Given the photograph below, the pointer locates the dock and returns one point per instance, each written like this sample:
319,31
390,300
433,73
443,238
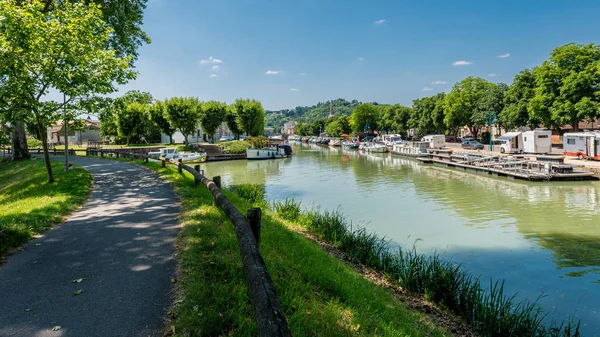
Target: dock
527,167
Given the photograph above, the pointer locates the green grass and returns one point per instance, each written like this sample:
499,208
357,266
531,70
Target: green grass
321,295
234,146
488,310
29,205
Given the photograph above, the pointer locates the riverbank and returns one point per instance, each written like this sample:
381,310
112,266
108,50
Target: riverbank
320,294
29,205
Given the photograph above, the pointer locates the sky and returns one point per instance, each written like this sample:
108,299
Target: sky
296,53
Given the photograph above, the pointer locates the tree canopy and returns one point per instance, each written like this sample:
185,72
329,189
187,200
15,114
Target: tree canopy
183,114
463,104
364,117
62,50
249,116
213,114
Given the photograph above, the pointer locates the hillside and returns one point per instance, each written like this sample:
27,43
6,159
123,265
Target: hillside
309,114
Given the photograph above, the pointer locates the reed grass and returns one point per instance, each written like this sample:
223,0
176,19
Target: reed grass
254,194
489,310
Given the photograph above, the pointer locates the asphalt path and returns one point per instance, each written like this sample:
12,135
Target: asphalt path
107,271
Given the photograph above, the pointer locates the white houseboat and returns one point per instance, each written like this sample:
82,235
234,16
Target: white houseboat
411,149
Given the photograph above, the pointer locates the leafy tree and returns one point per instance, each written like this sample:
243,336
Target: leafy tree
568,86
63,49
463,104
439,113
363,115
232,121
516,101
338,126
183,114
130,120
123,17
423,112
318,126
303,129
157,113
213,114
394,118
250,116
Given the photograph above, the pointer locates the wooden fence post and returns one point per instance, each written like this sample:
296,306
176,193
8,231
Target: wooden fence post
217,181
87,154
196,180
54,150
101,153
117,155
254,217
180,165
163,162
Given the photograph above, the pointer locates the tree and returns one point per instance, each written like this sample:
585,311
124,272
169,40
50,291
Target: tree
422,114
394,118
463,104
130,120
338,126
183,114
156,113
363,116
213,114
125,19
232,121
493,101
250,116
516,101
62,50
568,86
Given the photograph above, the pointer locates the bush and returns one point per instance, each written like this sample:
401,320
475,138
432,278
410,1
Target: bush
234,147
34,143
288,210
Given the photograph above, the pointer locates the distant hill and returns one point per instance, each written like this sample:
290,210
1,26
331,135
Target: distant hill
309,114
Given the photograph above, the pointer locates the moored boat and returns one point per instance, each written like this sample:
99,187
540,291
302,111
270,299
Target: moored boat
411,149
275,152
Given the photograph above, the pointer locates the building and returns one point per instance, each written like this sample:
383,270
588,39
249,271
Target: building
89,131
289,128
198,136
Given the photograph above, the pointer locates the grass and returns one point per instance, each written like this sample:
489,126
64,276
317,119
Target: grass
29,205
234,146
487,309
321,295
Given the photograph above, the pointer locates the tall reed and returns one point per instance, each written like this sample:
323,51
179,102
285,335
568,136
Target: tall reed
489,310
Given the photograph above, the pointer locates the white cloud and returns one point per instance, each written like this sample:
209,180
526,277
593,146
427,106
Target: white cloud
301,74
215,68
294,89
211,60
378,22
361,58
461,63
439,82
213,75
426,89
503,56
272,72
494,75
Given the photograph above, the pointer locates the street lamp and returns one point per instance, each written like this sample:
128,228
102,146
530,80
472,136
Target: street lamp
367,126
490,120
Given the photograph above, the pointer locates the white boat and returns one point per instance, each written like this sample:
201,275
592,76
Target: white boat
265,153
411,149
373,147
390,140
335,142
171,153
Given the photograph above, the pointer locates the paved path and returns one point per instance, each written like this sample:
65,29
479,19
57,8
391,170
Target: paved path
121,243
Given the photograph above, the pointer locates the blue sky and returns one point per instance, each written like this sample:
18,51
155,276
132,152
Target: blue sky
316,50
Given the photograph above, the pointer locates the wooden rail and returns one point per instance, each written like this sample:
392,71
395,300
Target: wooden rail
269,317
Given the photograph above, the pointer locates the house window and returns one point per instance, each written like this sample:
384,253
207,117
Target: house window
571,141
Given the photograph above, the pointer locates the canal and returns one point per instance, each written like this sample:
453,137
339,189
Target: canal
541,237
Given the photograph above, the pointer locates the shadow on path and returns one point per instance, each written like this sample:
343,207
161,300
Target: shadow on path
121,243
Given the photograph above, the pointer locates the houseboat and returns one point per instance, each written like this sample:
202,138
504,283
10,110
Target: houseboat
275,152
172,154
411,149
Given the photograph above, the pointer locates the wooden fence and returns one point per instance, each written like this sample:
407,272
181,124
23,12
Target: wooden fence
269,317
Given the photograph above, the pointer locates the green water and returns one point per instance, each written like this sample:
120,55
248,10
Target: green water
540,237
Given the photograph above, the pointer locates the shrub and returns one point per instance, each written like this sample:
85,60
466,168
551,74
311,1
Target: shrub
234,147
34,143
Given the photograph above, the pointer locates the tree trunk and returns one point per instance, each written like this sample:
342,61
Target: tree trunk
171,139
185,139
46,154
19,142
575,125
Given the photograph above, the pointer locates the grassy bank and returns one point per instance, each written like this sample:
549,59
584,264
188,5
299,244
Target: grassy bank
234,146
321,295
29,205
484,307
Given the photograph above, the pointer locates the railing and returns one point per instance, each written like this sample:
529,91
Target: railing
269,317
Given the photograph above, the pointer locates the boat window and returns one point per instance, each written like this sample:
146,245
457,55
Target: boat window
542,136
258,153
571,141
524,139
